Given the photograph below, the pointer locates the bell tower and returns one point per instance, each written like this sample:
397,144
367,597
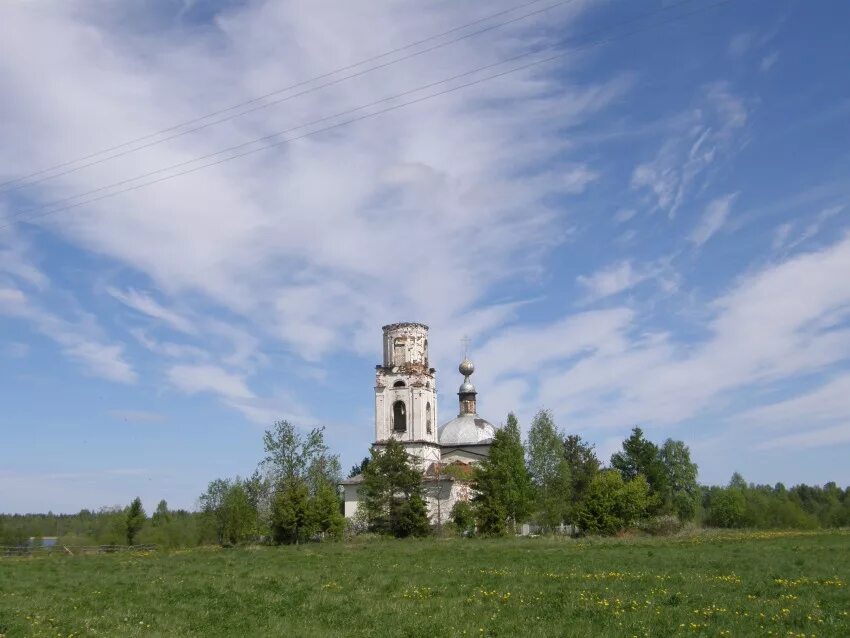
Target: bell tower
406,393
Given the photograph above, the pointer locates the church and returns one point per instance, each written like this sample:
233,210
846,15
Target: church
406,410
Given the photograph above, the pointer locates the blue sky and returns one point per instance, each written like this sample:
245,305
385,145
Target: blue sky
651,230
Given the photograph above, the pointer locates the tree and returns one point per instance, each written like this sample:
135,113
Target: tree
161,516
325,515
463,516
640,456
291,514
549,471
681,479
300,476
259,491
293,457
358,467
238,516
583,465
727,507
738,481
611,504
392,493
211,503
135,519
228,509
504,492
410,517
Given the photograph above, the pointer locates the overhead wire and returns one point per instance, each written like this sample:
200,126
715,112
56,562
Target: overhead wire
27,180
60,207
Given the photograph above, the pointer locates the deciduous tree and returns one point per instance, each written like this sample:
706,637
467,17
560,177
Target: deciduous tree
681,479
504,492
611,504
640,456
549,471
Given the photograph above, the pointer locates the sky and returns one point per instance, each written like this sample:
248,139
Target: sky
639,213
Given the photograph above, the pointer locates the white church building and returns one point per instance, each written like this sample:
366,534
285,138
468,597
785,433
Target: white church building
406,410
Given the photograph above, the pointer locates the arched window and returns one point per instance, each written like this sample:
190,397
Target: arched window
428,417
399,417
398,352
398,384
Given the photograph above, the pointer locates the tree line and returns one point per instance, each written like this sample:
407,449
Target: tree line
553,481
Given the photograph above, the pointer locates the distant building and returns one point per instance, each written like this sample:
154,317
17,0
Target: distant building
42,541
406,410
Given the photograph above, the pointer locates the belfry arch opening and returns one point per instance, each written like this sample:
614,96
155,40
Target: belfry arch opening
398,384
399,417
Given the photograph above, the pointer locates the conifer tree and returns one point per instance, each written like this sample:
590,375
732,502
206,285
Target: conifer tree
134,520
325,514
291,513
392,493
584,465
640,456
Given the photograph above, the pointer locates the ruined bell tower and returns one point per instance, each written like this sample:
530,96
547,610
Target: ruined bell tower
406,393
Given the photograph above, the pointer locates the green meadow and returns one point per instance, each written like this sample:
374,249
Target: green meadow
707,584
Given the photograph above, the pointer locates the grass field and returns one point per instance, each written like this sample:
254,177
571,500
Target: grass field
747,584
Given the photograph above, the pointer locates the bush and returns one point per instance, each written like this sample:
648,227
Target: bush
611,505
463,517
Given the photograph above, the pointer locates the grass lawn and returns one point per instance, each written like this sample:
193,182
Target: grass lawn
735,584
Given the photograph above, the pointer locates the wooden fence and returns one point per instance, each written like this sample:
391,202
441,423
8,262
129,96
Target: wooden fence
70,550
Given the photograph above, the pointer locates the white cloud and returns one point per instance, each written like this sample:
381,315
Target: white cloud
768,61
834,435
80,341
740,43
624,214
322,239
713,219
602,370
826,404
697,139
624,275
612,280
193,379
144,303
783,236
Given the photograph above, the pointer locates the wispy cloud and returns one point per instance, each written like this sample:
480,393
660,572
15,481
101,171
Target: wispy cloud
700,136
80,341
350,228
144,303
209,378
712,220
758,335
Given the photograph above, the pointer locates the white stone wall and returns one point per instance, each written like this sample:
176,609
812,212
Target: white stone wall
441,497
418,394
352,500
405,343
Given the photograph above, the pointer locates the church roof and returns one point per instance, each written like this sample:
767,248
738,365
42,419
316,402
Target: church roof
466,429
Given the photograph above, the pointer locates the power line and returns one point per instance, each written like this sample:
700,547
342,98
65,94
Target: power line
515,69
27,180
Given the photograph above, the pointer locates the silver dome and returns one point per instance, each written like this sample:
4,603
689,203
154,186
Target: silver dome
466,387
467,429
466,367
